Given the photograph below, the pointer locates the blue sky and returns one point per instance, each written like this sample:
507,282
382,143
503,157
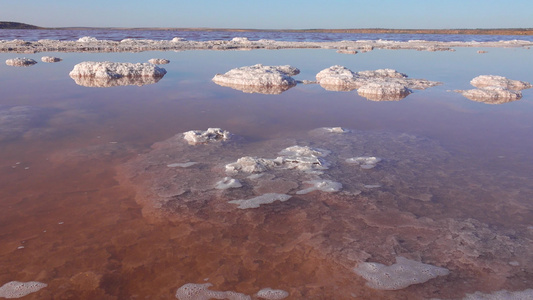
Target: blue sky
272,14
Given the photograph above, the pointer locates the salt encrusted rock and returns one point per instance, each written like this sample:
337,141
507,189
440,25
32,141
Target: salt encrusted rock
257,201
491,95
402,274
113,70
501,295
50,59
17,289
87,39
20,62
366,162
194,137
499,81
193,291
383,91
277,78
270,294
336,78
159,61
327,186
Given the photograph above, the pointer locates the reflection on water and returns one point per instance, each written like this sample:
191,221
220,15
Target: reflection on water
102,198
110,82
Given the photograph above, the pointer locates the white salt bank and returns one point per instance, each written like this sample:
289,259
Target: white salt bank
17,289
400,275
114,70
194,137
20,62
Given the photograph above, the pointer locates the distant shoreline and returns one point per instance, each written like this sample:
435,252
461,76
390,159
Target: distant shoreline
478,31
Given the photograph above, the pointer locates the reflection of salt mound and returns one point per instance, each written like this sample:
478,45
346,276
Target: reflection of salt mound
378,85
259,79
20,62
50,59
402,274
194,137
17,289
114,70
111,82
492,89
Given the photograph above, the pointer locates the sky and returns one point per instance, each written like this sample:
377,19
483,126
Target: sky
272,14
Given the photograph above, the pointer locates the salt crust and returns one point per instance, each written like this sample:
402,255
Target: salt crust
277,78
114,70
159,61
193,291
327,186
257,201
493,89
194,137
501,295
366,162
182,165
270,294
20,62
17,289
50,59
228,183
402,274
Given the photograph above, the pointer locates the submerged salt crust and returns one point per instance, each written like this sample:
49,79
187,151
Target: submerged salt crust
403,273
194,137
493,89
259,79
17,289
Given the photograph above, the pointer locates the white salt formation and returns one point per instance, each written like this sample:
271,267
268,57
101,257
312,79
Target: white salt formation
20,62
366,162
327,186
492,89
259,78
377,85
87,39
228,183
113,70
336,129
195,137
501,295
50,59
159,61
270,294
257,201
193,291
249,164
17,289
402,274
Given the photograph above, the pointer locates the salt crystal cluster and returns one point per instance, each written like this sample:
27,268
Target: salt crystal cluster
50,59
114,70
17,289
259,78
402,274
20,62
159,61
257,201
270,294
193,291
377,85
195,137
492,89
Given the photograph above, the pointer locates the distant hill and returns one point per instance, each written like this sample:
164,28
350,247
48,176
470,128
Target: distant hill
16,25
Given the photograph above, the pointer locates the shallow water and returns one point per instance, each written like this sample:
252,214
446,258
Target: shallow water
79,173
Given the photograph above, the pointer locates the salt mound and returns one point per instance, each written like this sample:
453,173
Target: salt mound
327,186
270,294
501,295
277,78
113,70
383,91
50,59
195,137
159,61
192,291
257,201
20,62
17,289
499,81
336,78
402,274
